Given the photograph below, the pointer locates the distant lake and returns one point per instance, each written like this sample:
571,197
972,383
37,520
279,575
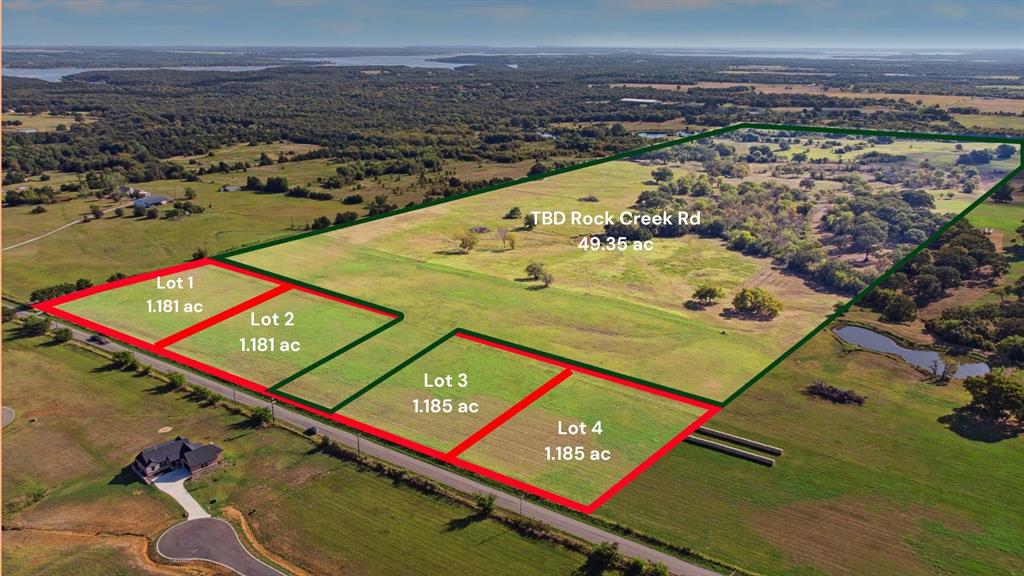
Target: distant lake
56,74
422,61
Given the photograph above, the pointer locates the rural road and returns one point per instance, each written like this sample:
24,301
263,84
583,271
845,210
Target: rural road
437,473
213,540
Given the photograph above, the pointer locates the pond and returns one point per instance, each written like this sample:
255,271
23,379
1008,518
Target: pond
930,360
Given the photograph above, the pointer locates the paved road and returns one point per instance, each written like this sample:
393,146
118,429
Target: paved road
173,484
562,522
8,416
213,540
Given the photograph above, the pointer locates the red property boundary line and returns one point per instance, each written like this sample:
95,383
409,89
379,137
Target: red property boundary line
450,457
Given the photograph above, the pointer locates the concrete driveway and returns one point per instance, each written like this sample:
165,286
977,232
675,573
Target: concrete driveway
213,540
173,483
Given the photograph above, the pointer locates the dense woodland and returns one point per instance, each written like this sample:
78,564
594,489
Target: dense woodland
412,120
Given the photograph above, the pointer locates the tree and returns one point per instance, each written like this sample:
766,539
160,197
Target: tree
1003,194
380,205
124,359
119,212
199,254
899,308
321,222
603,557
808,183
138,211
253,183
345,218
514,213
1005,151
529,222
352,199
61,335
948,276
512,240
547,278
265,159
34,326
190,193
176,380
261,416
152,214
502,234
928,288
96,211
484,503
276,185
707,294
662,174
537,169
996,397
757,302
467,240
534,270
1011,349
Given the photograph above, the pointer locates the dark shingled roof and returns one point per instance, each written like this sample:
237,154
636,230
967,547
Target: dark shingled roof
201,456
166,452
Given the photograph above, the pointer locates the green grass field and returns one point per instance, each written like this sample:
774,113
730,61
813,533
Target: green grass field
319,326
624,310
990,121
321,513
887,488
634,425
495,380
132,309
43,122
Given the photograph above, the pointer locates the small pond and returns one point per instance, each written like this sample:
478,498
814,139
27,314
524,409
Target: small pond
930,360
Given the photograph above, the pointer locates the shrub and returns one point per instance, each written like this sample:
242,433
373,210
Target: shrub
467,240
261,416
34,326
514,213
176,380
484,503
352,199
61,335
828,392
125,360
547,278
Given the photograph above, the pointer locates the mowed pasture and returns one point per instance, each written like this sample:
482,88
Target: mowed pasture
98,512
622,311
277,338
991,121
136,309
43,122
621,427
982,103
495,380
886,488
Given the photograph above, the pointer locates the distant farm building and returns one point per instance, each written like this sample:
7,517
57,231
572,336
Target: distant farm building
174,454
130,192
640,100
230,188
150,201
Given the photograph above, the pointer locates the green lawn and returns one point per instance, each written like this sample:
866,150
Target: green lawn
495,381
634,425
886,488
319,326
325,515
132,309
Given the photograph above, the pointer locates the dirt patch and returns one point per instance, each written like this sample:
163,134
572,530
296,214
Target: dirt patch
847,537
238,518
42,544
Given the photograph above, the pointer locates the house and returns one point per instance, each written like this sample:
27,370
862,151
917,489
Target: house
150,201
196,458
230,188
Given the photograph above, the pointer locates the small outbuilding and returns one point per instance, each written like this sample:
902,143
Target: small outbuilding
230,188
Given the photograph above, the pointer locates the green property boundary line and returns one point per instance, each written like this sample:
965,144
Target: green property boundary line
227,256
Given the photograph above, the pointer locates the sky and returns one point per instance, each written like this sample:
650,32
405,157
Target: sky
765,24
